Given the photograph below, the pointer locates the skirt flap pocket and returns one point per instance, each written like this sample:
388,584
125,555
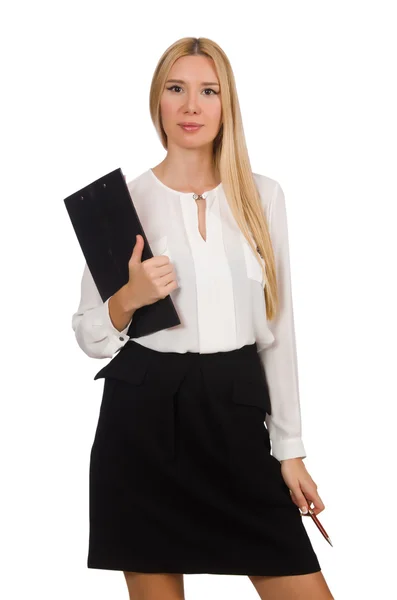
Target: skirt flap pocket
250,388
126,367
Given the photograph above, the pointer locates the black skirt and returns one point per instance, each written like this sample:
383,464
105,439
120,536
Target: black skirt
181,477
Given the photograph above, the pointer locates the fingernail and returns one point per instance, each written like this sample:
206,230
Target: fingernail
304,509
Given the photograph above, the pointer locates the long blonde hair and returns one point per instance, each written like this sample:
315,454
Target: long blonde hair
230,155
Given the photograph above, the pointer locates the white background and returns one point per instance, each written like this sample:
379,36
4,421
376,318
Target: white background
316,82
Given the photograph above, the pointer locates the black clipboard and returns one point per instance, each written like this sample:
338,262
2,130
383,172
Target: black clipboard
106,223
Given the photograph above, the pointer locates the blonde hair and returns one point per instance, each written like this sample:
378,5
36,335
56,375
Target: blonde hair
230,155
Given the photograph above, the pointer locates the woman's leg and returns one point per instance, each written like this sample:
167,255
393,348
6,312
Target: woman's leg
155,586
292,587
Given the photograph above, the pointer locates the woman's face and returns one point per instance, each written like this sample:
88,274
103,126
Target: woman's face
194,97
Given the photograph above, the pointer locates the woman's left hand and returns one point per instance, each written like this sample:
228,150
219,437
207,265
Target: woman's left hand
302,488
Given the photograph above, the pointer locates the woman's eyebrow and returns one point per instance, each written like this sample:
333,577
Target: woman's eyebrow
202,83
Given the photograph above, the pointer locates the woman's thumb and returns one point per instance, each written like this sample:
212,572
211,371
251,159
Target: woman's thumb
138,249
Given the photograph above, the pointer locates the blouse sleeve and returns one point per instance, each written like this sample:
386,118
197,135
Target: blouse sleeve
93,327
280,359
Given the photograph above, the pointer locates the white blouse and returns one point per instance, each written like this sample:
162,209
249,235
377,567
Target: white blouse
220,299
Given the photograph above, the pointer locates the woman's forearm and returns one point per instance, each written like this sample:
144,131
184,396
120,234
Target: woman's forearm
120,309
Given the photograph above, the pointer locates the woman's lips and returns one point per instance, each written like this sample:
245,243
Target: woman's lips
191,127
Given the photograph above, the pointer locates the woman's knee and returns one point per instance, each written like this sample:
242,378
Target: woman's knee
151,586
292,587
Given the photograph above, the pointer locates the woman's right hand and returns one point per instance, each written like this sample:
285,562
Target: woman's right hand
150,280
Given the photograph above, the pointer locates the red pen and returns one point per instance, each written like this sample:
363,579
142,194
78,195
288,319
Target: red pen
317,522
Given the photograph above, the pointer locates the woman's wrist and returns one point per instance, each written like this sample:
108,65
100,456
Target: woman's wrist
295,458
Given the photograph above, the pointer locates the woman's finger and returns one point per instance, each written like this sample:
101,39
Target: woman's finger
318,504
299,499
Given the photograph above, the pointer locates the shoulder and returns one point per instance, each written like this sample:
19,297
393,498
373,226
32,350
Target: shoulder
140,182
269,190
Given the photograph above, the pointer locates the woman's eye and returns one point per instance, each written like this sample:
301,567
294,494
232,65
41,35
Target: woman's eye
206,90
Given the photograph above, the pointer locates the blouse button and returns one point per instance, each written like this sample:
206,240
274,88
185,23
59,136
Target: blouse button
121,338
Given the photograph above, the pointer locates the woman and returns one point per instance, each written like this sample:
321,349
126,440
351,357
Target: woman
197,462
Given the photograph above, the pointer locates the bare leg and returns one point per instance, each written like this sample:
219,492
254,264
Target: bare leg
292,587
155,586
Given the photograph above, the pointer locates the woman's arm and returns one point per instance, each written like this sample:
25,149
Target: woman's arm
280,359
95,332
